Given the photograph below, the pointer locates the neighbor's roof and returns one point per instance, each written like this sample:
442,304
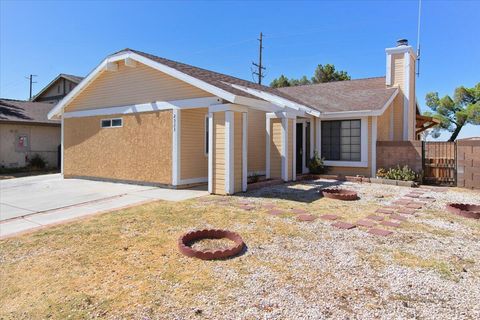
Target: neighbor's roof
340,96
25,111
71,77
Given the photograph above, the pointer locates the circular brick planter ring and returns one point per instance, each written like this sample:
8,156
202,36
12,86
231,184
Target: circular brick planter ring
340,194
465,210
185,241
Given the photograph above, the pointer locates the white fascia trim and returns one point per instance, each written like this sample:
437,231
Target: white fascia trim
244,151
210,152
62,146
267,149
279,101
374,147
406,97
176,147
153,64
283,114
146,107
388,75
192,180
227,107
285,149
229,152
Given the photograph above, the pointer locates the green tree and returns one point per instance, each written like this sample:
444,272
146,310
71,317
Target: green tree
323,73
455,113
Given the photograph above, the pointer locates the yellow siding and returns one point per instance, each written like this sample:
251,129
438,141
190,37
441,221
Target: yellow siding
140,151
127,86
237,152
383,124
275,148
219,153
398,70
256,141
194,161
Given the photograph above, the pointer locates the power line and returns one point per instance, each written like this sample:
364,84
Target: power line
30,78
259,65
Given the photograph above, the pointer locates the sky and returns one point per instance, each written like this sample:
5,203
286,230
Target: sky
46,38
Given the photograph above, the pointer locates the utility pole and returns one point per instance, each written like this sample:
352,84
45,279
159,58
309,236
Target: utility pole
30,78
259,65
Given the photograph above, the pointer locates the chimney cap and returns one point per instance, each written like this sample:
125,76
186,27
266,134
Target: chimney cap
402,42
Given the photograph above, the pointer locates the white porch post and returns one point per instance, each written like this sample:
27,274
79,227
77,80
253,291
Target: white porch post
267,149
176,147
285,149
319,136
244,150
210,152
229,156
294,150
62,146
312,126
304,146
374,147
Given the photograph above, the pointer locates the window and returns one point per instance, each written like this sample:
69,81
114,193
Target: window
341,140
206,135
23,143
112,123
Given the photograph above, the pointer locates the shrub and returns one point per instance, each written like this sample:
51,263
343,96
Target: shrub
36,162
315,164
255,177
399,173
381,173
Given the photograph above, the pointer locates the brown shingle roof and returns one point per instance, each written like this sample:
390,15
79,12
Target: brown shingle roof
352,95
25,111
214,78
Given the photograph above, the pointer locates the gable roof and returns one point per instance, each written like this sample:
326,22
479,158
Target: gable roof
369,94
70,77
25,111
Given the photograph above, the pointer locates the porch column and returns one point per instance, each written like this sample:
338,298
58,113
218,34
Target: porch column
374,147
210,152
294,150
175,147
267,145
244,151
229,152
284,153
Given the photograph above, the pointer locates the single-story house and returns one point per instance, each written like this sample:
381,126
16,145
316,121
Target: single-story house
57,89
25,131
144,119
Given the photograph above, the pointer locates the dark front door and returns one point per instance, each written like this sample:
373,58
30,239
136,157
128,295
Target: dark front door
299,150
307,143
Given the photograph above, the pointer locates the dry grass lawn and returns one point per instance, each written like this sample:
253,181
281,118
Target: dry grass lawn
126,264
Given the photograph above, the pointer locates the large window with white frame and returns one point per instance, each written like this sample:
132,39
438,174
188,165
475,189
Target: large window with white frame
341,140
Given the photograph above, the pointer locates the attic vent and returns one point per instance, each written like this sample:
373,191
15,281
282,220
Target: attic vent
402,42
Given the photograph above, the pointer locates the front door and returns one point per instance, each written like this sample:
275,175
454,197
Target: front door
299,151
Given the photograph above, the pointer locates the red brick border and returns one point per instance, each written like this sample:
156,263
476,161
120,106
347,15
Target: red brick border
185,240
340,194
471,211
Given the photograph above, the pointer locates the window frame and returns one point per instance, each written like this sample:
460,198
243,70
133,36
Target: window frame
111,126
364,137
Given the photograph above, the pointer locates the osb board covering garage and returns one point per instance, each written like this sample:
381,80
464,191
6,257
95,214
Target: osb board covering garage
140,150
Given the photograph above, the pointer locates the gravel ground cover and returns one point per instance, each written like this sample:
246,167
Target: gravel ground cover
125,264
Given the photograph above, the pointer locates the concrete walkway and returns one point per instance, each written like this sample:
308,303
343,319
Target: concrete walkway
34,202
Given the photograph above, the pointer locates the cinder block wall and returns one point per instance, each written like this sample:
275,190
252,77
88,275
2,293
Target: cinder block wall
468,163
393,153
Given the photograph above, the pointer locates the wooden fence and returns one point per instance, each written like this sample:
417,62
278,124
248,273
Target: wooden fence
439,162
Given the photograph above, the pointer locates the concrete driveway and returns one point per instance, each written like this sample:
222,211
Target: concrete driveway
32,202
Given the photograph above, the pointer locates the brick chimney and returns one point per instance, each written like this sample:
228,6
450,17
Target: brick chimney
401,73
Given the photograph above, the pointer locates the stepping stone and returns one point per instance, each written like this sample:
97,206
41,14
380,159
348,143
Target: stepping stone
406,211
401,202
306,217
275,212
269,206
386,211
380,232
365,223
414,206
343,225
329,217
398,217
374,217
412,195
299,211
390,224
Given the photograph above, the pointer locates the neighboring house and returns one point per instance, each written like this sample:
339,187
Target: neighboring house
57,89
144,119
25,131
